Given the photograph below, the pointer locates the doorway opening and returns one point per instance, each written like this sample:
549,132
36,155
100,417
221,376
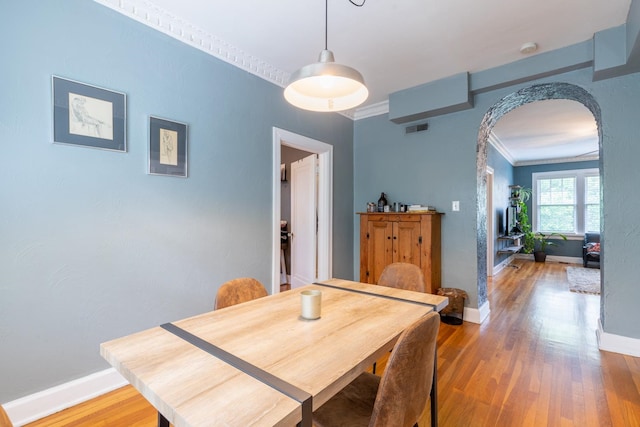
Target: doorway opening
324,152
510,102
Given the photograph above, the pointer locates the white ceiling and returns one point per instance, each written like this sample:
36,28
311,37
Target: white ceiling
395,44
544,131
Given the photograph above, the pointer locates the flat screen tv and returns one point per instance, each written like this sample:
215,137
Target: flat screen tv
512,221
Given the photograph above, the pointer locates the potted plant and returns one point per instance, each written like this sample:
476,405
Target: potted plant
542,241
528,241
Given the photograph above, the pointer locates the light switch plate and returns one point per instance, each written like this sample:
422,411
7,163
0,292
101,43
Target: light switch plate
455,205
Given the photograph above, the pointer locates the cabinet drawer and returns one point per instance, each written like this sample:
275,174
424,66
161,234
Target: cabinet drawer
393,217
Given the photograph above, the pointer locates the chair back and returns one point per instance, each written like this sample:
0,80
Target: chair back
403,275
4,418
591,238
239,290
406,383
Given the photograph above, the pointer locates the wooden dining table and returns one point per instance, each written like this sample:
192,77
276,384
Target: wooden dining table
259,363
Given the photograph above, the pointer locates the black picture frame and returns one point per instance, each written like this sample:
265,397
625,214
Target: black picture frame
167,147
88,116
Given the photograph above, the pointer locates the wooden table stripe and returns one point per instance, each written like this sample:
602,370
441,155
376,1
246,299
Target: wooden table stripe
261,375
358,291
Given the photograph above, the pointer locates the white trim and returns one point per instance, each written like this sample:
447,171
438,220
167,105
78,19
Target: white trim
559,160
553,258
371,110
564,259
490,222
477,315
161,20
579,176
498,268
500,148
55,399
617,343
325,201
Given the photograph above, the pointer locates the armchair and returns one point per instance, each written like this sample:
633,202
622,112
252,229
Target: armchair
591,249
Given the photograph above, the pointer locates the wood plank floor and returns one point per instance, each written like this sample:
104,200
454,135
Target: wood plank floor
534,362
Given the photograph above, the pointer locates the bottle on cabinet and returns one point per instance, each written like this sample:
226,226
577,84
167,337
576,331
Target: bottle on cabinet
382,202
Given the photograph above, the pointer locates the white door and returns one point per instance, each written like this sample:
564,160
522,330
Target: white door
303,221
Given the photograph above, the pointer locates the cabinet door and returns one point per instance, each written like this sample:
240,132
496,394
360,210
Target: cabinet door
406,242
379,248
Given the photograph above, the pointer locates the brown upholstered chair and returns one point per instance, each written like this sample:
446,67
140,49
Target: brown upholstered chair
239,290
400,396
403,275
4,418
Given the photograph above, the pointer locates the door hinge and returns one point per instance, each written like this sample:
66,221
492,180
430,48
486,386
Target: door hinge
419,240
367,238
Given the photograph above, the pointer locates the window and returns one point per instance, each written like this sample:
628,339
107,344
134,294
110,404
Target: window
566,202
592,203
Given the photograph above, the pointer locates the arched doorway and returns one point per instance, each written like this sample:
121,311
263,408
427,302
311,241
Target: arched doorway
524,96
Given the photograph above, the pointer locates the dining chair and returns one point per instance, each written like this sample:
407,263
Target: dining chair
4,418
403,275
399,397
239,290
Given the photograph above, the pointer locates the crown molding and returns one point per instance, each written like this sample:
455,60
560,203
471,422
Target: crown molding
372,110
559,160
145,12
499,146
148,14
159,19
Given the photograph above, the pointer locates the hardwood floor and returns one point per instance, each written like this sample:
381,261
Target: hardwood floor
534,362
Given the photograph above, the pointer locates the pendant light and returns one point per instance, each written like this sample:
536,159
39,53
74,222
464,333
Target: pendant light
325,85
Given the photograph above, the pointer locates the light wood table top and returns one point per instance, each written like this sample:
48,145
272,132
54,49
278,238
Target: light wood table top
189,386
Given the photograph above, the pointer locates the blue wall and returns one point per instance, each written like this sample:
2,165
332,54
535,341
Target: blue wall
502,179
439,165
91,247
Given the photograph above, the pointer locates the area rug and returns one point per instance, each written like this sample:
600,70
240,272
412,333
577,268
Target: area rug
584,280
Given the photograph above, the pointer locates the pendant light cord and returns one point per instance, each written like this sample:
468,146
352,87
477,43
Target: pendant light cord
326,18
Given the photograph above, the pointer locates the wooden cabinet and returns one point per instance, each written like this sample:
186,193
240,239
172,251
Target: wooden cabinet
400,237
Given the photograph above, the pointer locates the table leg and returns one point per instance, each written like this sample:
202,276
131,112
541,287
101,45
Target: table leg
434,392
162,421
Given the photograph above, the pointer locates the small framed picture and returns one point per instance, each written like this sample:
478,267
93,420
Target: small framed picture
88,116
167,147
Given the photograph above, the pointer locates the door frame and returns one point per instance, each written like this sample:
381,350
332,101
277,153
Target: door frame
490,222
325,201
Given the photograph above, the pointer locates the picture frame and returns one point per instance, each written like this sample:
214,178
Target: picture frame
167,147
88,116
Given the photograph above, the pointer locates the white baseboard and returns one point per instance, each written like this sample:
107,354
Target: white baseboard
498,268
553,258
477,315
565,259
617,343
39,405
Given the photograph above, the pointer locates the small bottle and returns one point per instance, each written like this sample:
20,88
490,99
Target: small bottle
382,202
